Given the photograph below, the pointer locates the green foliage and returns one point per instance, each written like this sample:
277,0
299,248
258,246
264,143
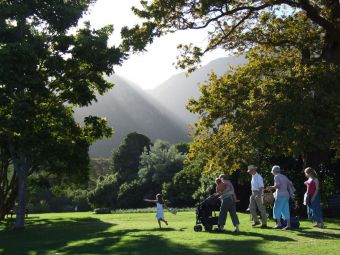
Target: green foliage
125,160
105,192
80,201
275,106
183,147
179,192
131,194
160,164
45,71
206,187
236,26
99,167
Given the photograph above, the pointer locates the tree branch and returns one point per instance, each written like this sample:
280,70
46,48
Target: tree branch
313,13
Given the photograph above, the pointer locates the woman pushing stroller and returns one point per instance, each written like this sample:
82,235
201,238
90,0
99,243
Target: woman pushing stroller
226,193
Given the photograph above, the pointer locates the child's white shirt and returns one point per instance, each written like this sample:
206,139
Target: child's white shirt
160,213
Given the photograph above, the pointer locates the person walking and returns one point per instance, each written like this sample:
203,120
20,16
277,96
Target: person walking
312,197
282,195
256,198
228,199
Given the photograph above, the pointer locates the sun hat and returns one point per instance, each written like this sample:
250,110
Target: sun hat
251,167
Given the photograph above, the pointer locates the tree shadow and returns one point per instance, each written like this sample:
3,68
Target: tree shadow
319,234
43,235
269,237
162,229
155,245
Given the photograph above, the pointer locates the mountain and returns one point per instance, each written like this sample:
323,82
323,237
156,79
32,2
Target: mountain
129,109
175,93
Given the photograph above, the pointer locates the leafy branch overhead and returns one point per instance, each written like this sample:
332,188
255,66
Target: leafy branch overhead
236,26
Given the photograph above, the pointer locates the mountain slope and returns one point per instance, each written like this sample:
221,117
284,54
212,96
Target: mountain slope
129,109
175,93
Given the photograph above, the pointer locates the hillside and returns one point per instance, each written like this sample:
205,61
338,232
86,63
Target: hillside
174,93
129,109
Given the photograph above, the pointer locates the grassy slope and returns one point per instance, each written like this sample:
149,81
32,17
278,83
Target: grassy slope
136,234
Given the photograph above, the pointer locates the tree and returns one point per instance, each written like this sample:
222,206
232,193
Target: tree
183,185
160,164
274,106
125,160
131,194
183,147
44,71
239,25
8,182
105,192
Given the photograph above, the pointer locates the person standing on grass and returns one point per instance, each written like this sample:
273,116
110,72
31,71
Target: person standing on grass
228,199
256,198
281,204
159,205
312,197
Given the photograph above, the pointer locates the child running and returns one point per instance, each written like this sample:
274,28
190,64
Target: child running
159,204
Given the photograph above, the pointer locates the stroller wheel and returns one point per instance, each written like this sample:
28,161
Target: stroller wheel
198,228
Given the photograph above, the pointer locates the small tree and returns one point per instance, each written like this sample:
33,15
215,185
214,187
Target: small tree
160,164
125,160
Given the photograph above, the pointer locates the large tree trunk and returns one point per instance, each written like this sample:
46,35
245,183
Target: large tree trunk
331,50
7,197
21,166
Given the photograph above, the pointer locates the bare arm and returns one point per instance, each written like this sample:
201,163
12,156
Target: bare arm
150,200
276,183
317,188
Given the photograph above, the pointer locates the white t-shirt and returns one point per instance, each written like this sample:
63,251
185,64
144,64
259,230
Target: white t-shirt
256,182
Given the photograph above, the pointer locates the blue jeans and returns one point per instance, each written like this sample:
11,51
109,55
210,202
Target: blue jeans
281,208
314,210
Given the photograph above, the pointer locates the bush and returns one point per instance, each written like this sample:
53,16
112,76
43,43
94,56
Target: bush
105,192
80,200
41,207
179,192
102,210
131,195
206,187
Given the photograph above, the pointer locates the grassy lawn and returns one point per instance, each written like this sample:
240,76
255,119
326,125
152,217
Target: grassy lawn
137,234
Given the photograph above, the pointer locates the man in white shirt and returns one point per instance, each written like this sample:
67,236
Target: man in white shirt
256,201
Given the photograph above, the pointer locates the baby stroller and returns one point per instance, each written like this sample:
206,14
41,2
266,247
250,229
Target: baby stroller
204,214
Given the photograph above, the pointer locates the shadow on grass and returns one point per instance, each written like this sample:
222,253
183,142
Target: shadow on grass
42,235
154,245
269,237
318,234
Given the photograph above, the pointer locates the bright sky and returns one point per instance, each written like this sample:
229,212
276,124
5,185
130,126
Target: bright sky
150,68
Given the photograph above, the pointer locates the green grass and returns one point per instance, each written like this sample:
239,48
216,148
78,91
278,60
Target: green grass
137,234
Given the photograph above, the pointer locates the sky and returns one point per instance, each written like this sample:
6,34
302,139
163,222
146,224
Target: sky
151,68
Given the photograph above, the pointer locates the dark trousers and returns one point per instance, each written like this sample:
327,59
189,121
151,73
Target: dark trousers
228,205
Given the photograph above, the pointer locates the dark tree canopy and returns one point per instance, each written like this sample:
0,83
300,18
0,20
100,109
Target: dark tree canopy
239,25
125,160
45,70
